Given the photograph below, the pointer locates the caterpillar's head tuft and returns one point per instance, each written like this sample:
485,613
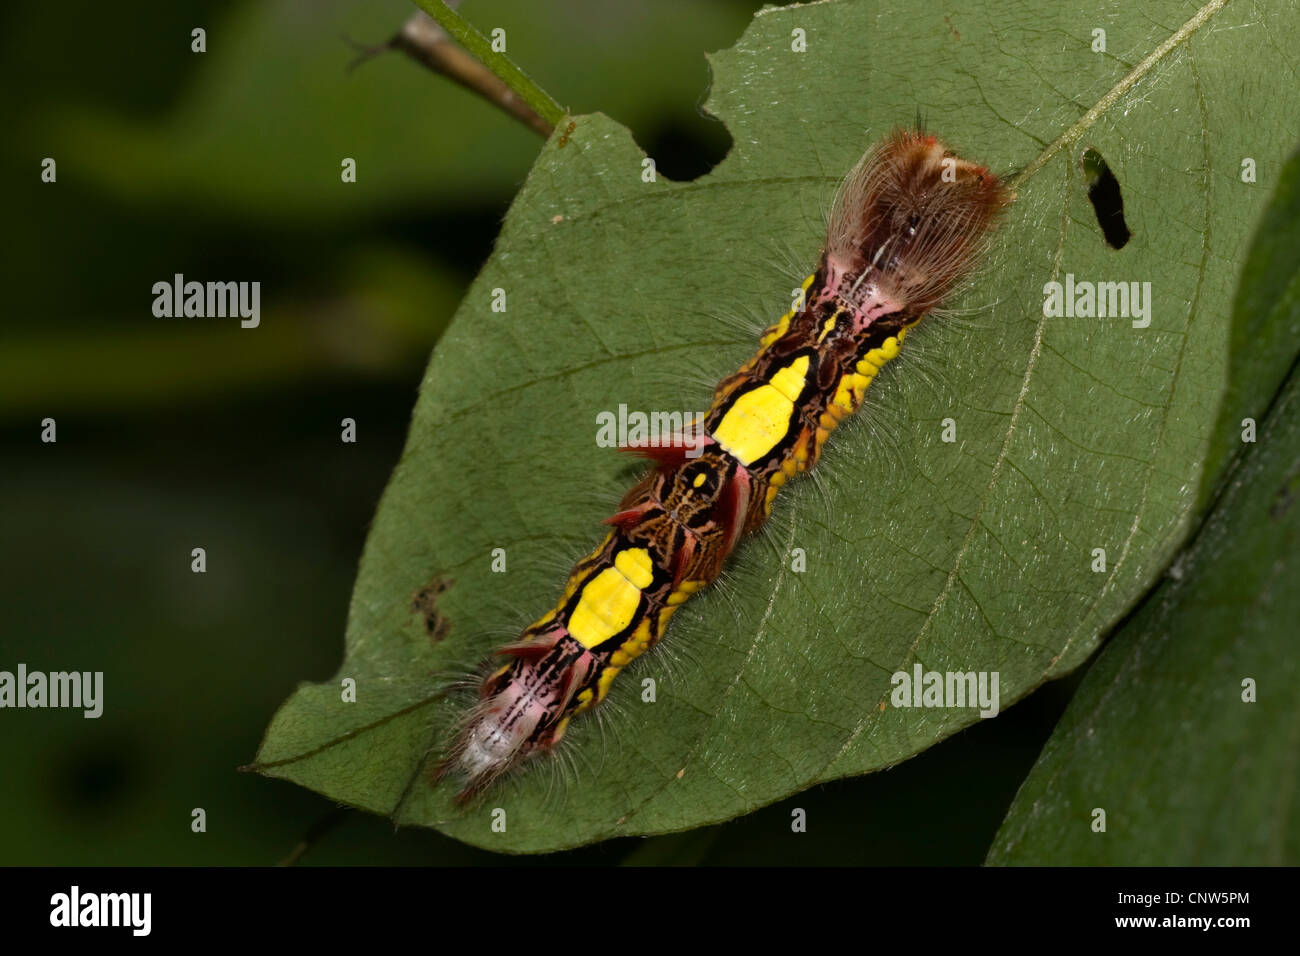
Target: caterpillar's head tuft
911,220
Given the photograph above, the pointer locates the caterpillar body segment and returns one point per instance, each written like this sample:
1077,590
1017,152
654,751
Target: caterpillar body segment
614,608
910,221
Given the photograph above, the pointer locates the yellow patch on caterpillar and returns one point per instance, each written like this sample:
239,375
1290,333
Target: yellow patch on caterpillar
849,392
782,326
790,380
759,419
634,564
609,601
827,425
773,487
571,584
560,728
774,484
633,647
875,360
683,592
606,679
775,332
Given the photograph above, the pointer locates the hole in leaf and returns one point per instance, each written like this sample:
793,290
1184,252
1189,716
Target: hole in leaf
685,148
1107,203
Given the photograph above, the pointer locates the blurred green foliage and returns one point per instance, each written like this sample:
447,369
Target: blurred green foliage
226,164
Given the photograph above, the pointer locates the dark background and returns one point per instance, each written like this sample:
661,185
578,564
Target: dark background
176,433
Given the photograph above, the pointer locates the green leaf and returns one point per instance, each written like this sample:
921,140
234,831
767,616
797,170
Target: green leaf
1265,321
1160,735
1072,434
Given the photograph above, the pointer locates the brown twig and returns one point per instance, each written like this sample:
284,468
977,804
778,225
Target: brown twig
423,40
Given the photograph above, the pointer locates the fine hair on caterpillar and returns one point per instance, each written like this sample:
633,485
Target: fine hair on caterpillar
783,258
746,321
908,224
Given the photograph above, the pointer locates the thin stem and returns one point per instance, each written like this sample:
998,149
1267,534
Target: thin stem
429,45
315,833
464,33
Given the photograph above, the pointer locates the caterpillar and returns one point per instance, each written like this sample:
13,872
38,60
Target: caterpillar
907,224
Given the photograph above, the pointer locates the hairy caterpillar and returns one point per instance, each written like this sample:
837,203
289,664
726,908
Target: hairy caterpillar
910,220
